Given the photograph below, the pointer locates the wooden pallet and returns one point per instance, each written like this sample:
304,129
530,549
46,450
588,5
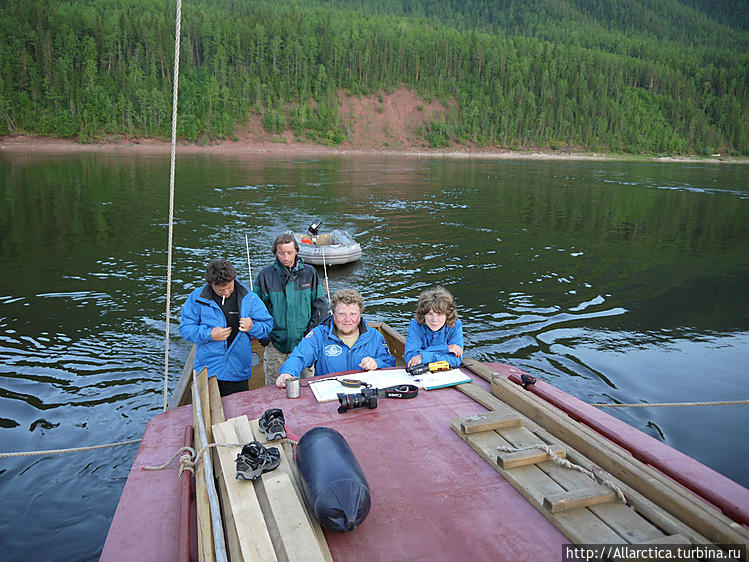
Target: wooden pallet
269,515
583,510
265,519
657,509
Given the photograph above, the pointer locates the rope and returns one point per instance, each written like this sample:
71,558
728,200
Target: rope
567,464
190,461
171,196
186,462
325,269
674,404
62,451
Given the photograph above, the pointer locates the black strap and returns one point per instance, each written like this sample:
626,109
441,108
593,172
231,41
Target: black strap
399,391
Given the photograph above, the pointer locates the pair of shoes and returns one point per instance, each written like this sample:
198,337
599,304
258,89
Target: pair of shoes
255,460
272,424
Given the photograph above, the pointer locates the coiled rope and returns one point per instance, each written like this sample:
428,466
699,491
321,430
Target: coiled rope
674,404
567,464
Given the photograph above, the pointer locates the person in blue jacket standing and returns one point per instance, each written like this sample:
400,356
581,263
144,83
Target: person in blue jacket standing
436,334
341,342
220,318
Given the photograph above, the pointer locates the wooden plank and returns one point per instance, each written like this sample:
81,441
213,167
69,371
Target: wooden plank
657,521
299,540
257,379
395,341
654,520
576,499
509,460
215,401
625,521
290,526
673,498
288,466
489,421
478,368
216,407
486,399
629,524
670,539
580,526
252,533
206,550
181,393
672,547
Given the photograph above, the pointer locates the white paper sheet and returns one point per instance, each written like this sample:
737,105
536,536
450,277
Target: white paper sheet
326,390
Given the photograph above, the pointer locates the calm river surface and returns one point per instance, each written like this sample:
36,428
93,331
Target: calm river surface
615,281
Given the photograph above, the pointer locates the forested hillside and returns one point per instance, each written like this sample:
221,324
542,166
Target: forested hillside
641,76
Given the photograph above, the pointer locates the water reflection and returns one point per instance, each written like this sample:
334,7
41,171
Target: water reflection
615,281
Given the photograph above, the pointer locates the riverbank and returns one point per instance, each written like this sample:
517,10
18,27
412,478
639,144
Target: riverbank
31,144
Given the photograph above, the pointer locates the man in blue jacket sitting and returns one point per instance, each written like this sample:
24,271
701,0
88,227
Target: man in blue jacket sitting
220,318
341,342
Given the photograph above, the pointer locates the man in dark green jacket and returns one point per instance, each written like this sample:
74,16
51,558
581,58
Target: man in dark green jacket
293,295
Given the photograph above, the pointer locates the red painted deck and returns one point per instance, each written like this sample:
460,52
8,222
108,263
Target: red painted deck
433,497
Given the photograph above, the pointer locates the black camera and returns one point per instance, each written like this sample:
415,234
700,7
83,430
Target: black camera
366,398
414,370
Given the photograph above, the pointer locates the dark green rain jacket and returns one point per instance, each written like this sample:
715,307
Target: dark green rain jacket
295,299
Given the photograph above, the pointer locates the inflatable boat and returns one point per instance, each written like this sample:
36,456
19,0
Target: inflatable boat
336,247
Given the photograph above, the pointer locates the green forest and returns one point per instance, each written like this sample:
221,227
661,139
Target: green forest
635,76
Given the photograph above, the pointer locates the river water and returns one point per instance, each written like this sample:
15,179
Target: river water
615,281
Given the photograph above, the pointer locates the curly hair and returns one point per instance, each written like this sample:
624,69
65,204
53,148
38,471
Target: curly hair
284,238
439,300
220,272
347,296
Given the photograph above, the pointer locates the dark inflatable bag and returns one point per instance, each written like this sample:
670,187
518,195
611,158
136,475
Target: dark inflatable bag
333,483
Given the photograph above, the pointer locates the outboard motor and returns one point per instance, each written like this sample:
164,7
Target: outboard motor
333,484
314,228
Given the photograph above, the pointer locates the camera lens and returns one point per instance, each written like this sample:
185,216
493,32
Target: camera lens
367,397
344,403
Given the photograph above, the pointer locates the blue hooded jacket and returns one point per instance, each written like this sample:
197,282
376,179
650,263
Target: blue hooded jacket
432,346
200,314
323,348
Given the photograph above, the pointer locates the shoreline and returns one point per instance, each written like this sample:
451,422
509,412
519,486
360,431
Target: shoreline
22,144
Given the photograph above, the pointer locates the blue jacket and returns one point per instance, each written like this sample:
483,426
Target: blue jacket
433,345
200,314
329,354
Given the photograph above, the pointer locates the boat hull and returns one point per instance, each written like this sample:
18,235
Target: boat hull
432,498
334,248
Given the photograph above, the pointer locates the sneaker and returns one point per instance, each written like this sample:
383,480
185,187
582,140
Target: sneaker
255,460
272,424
